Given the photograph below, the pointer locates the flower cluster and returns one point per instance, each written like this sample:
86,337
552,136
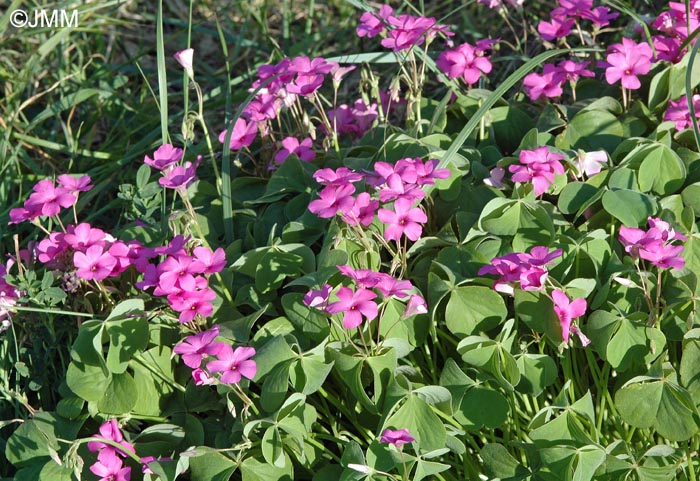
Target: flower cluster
550,82
529,270
466,61
655,244
291,145
166,159
353,121
47,198
399,183
401,32
109,465
569,12
537,166
222,358
358,303
675,26
679,112
181,276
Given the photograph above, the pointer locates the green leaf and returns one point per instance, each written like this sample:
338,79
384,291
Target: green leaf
690,364
274,267
661,170
592,130
574,195
500,463
127,337
120,395
418,417
633,342
629,207
510,124
87,381
474,308
272,447
481,407
211,465
254,470
538,371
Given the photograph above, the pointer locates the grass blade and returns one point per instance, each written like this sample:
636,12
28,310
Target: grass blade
162,75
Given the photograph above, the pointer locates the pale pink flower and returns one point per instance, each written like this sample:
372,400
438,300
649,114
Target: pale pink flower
186,59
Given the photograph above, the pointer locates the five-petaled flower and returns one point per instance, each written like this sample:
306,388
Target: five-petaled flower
397,437
234,364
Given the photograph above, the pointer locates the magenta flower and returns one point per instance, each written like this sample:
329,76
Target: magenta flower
496,178
364,278
111,469
572,71
191,303
654,245
234,364
354,305
291,145
679,112
110,430
558,27
48,199
404,220
193,348
73,185
626,62
406,31
242,136
177,272
94,264
208,262
164,156
416,305
318,298
600,16
390,286
362,211
567,311
83,235
186,59
372,25
333,199
539,167
397,437
663,255
180,177
465,61
202,377
548,84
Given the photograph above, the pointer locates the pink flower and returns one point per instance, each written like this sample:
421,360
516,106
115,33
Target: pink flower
679,112
362,211
567,311
663,255
177,272
186,58
193,348
364,278
291,145
465,61
180,177
164,156
208,262
48,199
110,430
558,27
372,25
318,298
191,303
340,176
83,235
111,469
94,264
242,136
496,178
667,48
73,185
548,84
404,220
600,16
397,437
572,71
390,286
354,305
538,166
628,60
416,305
234,364
407,31
333,199
202,377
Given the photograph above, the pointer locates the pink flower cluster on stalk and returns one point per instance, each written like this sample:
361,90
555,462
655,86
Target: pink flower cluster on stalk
655,245
109,465
48,199
568,13
626,61
182,276
537,166
358,303
399,183
679,112
401,32
466,61
675,26
220,357
550,82
528,270
175,176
